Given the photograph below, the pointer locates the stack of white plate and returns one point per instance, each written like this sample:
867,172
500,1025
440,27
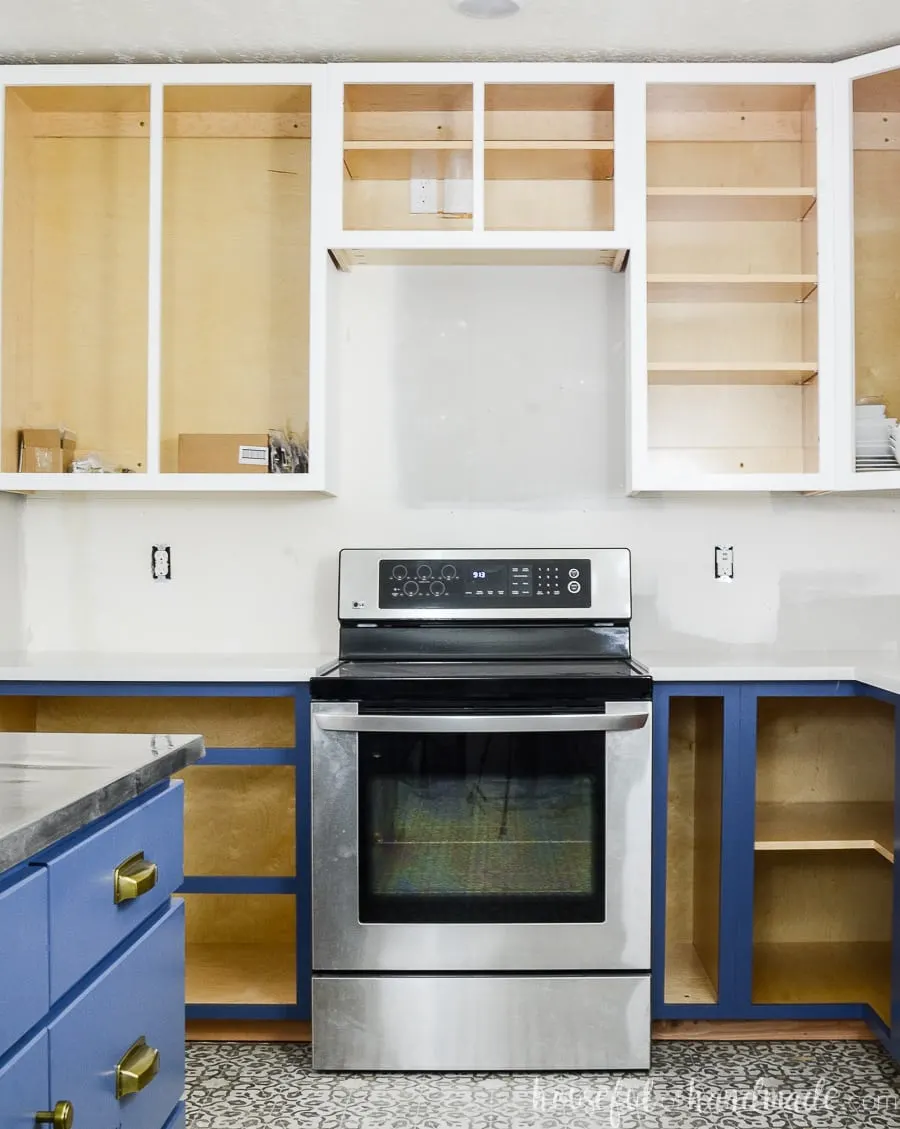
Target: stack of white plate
874,449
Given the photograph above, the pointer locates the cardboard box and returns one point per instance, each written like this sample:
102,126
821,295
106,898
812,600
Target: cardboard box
46,450
224,454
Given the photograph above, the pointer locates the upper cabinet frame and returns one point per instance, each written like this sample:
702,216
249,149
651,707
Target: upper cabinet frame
165,270
530,159
732,382
867,328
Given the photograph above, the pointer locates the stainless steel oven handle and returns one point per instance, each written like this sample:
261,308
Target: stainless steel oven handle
481,723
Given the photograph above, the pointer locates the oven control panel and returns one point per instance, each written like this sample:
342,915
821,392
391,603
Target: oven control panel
564,583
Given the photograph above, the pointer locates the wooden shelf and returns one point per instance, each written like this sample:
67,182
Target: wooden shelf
686,980
823,972
396,160
728,372
752,204
548,160
826,827
240,973
730,287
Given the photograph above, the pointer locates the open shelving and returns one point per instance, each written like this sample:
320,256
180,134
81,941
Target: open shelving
732,322
395,134
549,157
693,850
824,848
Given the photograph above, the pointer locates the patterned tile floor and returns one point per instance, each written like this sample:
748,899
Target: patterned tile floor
796,1085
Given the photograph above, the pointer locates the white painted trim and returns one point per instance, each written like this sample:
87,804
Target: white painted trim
154,279
162,483
2,254
843,340
478,131
873,62
319,439
168,74
826,234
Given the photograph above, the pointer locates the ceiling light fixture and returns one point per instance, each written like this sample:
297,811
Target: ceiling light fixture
487,9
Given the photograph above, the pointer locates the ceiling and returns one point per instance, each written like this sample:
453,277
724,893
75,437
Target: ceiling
280,30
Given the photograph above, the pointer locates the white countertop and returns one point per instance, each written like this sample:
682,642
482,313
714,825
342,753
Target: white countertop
691,664
75,666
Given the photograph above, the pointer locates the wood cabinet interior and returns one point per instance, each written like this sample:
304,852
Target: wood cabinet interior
549,157
876,174
75,268
393,134
236,262
824,847
732,279
693,850
240,949
239,820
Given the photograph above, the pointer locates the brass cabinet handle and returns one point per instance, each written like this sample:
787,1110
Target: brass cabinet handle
136,1068
60,1117
133,877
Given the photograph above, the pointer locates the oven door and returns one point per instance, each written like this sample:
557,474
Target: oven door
491,841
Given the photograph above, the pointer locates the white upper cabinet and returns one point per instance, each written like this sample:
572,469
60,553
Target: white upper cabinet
867,121
735,389
483,163
163,280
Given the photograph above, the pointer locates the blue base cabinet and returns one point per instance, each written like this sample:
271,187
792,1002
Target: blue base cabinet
775,822
91,989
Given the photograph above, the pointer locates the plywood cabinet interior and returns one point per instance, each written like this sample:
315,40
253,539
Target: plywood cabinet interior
693,850
236,262
75,260
824,851
732,261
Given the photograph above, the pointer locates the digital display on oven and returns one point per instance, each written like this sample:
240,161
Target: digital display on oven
460,584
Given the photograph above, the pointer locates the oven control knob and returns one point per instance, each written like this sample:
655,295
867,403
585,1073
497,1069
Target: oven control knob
574,587
411,588
399,572
449,572
438,587
424,572
573,574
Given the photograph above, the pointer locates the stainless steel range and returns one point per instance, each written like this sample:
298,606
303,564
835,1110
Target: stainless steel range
481,816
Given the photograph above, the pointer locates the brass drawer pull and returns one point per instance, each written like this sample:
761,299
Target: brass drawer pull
60,1117
137,1068
133,877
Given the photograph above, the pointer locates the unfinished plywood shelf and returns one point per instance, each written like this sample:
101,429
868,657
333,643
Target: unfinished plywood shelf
823,972
703,204
258,974
548,160
826,827
398,160
349,258
725,372
672,287
687,981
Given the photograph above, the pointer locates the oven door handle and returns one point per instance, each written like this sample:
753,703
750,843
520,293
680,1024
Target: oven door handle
481,723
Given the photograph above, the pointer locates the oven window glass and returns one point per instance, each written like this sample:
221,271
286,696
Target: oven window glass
481,827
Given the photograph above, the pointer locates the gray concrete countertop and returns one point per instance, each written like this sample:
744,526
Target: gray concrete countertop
52,784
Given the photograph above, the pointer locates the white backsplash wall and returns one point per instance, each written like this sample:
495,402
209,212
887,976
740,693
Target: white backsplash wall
478,407
11,592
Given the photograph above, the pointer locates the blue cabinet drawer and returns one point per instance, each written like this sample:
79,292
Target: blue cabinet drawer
141,995
24,956
177,1120
24,1085
86,922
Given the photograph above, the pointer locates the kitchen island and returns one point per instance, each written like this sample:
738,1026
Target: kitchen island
91,941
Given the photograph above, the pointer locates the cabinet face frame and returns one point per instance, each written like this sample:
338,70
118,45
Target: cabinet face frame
845,75
157,78
623,77
643,476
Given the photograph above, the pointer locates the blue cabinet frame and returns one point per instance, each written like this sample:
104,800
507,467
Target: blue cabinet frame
297,756
734,999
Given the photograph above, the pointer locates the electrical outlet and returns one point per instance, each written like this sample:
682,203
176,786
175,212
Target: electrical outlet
423,196
724,567
161,562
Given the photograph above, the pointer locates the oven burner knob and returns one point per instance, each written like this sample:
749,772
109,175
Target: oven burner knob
399,572
438,587
574,587
424,572
449,572
411,588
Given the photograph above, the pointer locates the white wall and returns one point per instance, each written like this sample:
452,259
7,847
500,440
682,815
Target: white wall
478,407
11,588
